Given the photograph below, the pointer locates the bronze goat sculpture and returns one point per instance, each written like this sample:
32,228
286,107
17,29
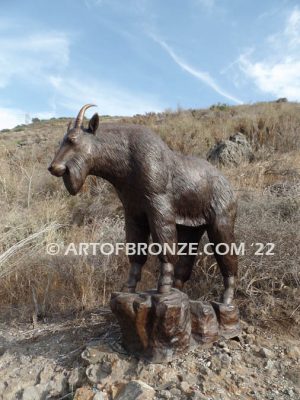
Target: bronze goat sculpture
173,197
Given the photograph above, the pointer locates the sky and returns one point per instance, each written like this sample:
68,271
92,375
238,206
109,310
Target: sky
136,56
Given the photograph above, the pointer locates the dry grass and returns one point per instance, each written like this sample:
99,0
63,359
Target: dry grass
36,210
270,127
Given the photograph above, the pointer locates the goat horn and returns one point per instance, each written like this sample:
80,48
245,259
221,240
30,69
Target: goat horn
79,119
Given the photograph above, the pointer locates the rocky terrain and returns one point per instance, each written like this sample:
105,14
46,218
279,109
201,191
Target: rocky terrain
82,358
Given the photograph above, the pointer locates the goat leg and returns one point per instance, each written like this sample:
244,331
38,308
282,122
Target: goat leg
229,283
134,277
166,278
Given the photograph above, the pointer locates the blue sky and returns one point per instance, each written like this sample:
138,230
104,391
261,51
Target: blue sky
136,56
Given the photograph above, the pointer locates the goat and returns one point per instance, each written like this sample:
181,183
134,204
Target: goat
173,197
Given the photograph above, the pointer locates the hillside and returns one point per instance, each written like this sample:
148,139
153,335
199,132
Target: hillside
38,288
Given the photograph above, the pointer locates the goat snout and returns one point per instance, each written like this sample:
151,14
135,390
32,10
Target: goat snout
57,169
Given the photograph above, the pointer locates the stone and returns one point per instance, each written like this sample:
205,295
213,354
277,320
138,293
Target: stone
293,352
232,151
270,368
197,395
98,396
228,318
136,390
266,353
58,384
250,329
47,373
234,345
269,364
146,370
236,359
37,392
3,386
191,378
175,392
113,389
156,327
281,100
97,353
97,372
225,360
168,379
250,338
204,322
204,370
84,393
215,363
164,394
185,387
133,312
105,366
76,378
160,328
294,376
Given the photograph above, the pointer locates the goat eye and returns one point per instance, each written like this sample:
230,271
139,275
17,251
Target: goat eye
72,140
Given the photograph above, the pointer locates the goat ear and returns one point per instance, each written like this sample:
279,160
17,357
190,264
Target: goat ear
93,124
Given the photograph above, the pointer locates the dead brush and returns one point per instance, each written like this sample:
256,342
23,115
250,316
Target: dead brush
265,281
268,212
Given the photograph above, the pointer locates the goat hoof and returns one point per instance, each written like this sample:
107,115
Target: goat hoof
178,284
164,289
128,289
228,297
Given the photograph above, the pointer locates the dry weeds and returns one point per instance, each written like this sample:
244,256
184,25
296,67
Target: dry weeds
33,203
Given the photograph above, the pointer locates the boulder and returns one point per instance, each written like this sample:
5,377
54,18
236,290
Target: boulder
162,327
84,393
205,327
136,390
281,100
228,319
232,151
156,327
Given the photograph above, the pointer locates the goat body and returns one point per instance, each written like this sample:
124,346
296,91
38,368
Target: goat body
173,197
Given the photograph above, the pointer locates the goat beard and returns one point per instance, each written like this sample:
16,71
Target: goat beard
74,179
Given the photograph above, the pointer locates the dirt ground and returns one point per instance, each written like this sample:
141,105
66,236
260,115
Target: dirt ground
56,357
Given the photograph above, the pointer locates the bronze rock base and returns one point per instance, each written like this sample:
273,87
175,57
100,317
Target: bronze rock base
161,327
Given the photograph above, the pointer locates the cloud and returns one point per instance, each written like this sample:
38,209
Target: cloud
198,74
73,92
43,60
10,117
278,72
30,57
281,79
292,29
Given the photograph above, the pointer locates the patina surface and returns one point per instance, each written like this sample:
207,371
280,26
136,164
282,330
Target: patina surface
161,327
173,197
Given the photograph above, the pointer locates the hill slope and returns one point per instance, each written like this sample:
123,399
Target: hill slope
52,305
